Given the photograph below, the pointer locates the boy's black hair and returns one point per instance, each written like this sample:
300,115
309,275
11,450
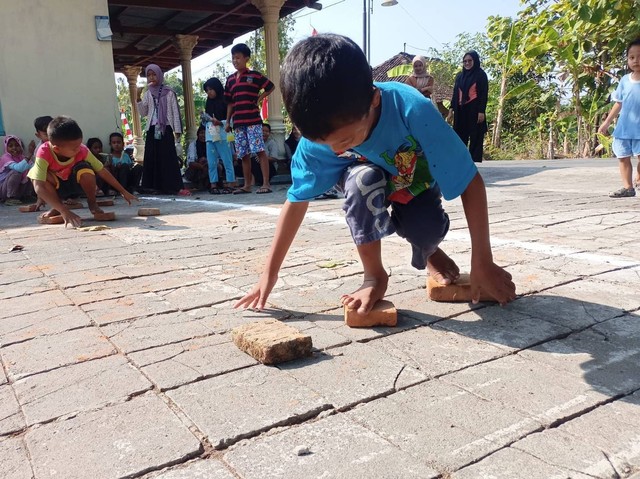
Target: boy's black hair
326,83
63,128
214,84
115,133
241,48
632,43
42,122
264,123
92,141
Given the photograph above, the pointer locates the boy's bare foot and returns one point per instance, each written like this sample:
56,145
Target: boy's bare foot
95,209
442,268
366,296
52,212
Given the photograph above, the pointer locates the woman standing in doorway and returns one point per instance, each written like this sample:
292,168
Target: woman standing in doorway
468,104
161,167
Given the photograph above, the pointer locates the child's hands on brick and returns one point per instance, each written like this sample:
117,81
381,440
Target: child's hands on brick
493,280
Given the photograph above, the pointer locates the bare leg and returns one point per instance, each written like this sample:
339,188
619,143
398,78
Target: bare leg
442,268
264,167
246,172
374,285
88,185
625,171
637,180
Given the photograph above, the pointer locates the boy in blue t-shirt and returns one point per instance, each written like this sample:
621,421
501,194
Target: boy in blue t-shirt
406,156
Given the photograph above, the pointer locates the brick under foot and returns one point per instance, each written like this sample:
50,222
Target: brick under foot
459,292
383,314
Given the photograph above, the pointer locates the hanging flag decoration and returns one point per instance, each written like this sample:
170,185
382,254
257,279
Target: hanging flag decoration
264,109
128,134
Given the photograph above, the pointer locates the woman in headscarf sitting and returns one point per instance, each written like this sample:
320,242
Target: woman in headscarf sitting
14,184
420,78
161,167
468,104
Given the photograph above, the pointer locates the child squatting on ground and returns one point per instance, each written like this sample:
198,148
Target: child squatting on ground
410,157
626,135
64,165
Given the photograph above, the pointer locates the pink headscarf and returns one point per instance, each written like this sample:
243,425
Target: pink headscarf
159,92
8,158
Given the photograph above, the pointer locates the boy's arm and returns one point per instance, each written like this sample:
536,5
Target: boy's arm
229,113
485,274
289,222
109,178
604,128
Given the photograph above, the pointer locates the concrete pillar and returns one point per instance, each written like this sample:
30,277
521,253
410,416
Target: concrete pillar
270,10
132,73
185,44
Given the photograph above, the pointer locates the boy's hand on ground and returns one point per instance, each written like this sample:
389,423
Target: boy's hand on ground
257,297
70,218
128,197
493,280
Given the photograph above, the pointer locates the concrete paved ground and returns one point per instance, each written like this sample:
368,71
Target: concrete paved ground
117,360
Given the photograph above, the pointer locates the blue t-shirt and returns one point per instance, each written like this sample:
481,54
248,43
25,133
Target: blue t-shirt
628,93
411,141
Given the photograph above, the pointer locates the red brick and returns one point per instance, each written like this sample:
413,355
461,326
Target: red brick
459,292
148,211
383,314
271,341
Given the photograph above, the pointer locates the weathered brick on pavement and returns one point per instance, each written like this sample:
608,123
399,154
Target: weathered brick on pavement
383,313
272,342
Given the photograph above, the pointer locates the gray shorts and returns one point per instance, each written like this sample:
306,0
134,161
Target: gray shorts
422,222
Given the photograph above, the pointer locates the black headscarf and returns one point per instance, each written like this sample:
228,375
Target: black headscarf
466,78
216,107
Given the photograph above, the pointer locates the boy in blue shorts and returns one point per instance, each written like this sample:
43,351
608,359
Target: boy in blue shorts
409,157
243,92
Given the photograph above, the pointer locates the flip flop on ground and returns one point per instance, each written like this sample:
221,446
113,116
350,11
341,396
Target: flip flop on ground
263,190
240,191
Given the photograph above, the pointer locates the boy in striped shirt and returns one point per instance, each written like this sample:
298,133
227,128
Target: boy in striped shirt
243,92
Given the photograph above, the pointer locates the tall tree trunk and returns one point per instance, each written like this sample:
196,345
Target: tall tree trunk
551,151
578,109
498,126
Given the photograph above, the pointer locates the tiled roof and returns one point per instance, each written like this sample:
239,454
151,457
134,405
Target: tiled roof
440,92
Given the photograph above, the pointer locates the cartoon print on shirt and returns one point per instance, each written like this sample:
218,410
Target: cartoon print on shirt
413,176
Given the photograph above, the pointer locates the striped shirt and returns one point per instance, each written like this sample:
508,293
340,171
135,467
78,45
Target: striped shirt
242,91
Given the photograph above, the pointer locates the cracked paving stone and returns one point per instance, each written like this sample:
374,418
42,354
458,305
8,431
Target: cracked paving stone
621,297
245,403
202,295
198,469
79,387
126,308
35,302
11,419
353,374
126,439
338,448
177,364
45,353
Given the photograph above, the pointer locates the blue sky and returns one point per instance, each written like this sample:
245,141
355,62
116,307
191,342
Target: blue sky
420,24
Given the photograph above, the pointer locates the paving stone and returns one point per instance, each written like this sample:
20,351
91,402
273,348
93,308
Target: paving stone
177,364
338,448
503,327
14,461
531,388
593,358
52,321
126,439
79,387
127,307
560,449
353,374
272,341
27,287
157,330
443,425
10,415
222,318
202,294
245,403
415,304
614,295
36,302
529,278
434,351
3,377
613,429
568,312
509,463
321,338
45,353
88,276
198,469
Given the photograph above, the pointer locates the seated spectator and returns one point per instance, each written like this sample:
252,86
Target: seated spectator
291,143
197,172
271,150
121,166
14,184
95,146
